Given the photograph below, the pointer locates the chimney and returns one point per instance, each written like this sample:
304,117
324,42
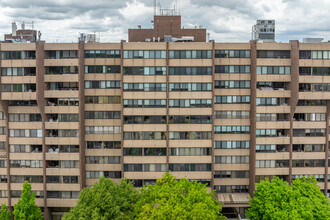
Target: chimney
13,29
23,25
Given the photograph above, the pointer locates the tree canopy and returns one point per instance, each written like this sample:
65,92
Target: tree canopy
105,200
4,213
276,199
26,208
172,199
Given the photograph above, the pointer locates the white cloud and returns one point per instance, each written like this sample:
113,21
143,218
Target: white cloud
226,20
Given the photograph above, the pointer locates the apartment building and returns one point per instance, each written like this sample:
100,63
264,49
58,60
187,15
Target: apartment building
225,114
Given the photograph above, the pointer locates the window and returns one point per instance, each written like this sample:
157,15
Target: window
26,163
145,87
62,164
305,54
231,144
190,151
157,135
184,70
282,70
144,54
190,54
103,160
308,148
103,129
29,179
102,54
270,133
311,103
308,132
25,133
3,163
24,117
16,148
270,101
321,54
190,103
231,129
232,99
63,194
3,145
190,167
271,117
231,174
144,167
102,115
61,54
108,174
18,71
18,87
18,55
318,177
232,69
103,69
279,54
102,84
190,119
23,103
190,135
144,103
141,70
103,144
231,159
60,70
232,54
308,163
232,114
232,84
103,100
232,189
309,116
272,163
144,119
63,102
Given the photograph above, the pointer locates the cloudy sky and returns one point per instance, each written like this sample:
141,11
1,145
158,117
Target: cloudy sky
225,20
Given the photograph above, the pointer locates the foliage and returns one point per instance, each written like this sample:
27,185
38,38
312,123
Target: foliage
278,200
4,213
172,199
26,208
105,200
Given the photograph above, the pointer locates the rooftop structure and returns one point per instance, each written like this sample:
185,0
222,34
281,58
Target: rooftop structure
264,30
21,35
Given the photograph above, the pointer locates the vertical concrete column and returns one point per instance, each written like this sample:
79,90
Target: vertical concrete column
294,89
253,109
167,106
326,164
122,106
4,105
40,85
81,82
212,114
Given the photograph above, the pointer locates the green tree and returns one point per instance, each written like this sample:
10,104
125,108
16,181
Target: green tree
4,213
278,200
26,208
105,200
172,199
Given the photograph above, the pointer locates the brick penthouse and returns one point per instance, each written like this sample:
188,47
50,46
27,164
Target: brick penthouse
225,114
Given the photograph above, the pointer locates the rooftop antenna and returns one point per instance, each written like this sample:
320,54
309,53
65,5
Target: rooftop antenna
155,7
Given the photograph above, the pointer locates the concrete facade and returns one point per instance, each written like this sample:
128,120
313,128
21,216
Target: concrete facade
244,116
